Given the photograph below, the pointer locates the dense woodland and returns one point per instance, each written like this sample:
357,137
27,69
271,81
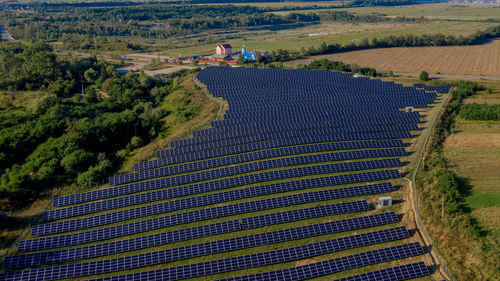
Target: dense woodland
66,136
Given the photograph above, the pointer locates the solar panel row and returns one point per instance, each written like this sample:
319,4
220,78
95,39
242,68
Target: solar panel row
250,139
162,238
438,89
330,266
218,127
397,273
302,214
253,166
272,133
256,147
276,125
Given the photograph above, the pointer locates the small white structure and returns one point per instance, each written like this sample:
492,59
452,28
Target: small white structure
384,201
409,109
224,50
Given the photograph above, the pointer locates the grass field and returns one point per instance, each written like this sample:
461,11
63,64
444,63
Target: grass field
472,60
473,154
331,33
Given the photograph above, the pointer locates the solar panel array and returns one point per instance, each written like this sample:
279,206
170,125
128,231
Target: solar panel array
335,265
203,165
438,89
158,257
397,273
160,239
279,256
258,147
300,133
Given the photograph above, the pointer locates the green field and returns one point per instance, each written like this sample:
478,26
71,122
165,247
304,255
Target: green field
340,33
473,154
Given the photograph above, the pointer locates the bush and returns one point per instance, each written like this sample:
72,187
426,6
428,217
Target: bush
482,112
424,76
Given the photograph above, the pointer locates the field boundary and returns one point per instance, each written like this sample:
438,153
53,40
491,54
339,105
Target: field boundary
442,267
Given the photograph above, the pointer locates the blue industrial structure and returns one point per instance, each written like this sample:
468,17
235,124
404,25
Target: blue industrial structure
249,56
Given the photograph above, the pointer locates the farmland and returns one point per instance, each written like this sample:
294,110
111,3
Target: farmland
478,60
473,155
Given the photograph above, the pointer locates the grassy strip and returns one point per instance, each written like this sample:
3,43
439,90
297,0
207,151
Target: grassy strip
456,234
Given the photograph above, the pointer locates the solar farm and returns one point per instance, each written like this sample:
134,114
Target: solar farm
285,187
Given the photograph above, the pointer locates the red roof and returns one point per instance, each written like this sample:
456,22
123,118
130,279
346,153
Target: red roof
225,46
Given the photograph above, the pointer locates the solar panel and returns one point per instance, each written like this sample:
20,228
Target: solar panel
212,185
162,238
165,207
279,122
261,155
144,198
278,256
255,148
328,135
336,265
397,273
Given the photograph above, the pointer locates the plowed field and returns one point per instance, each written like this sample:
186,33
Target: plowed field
473,60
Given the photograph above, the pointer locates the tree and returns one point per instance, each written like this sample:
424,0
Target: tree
424,76
258,57
239,60
90,75
391,73
355,68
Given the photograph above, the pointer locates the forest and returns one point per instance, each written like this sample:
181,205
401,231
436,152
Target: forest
66,136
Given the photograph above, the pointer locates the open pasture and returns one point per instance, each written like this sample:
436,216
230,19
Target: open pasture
468,60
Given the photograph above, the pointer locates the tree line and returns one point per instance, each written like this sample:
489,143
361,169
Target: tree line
403,40
483,112
325,64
